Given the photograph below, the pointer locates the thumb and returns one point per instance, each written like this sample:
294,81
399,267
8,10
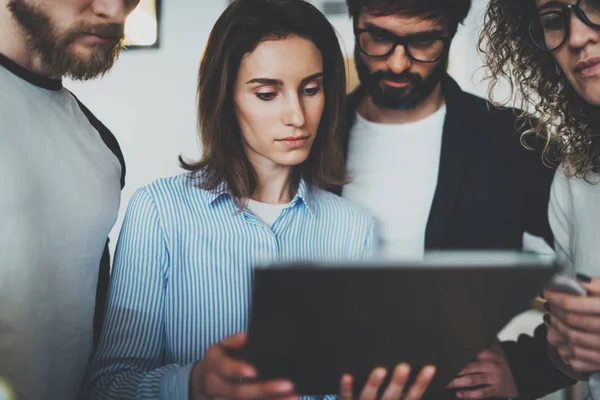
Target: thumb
235,341
592,285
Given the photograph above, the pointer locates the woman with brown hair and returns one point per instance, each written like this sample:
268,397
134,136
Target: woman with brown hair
271,96
549,52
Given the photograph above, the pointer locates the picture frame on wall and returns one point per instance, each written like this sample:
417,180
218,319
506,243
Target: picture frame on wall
142,28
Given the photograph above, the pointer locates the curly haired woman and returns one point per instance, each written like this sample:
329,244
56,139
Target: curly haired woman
549,52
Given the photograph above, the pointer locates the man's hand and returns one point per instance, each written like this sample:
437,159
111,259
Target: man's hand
488,376
220,376
573,324
396,387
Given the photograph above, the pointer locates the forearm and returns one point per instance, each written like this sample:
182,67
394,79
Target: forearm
112,379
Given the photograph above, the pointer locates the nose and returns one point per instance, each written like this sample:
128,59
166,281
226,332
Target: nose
581,34
294,113
114,11
398,61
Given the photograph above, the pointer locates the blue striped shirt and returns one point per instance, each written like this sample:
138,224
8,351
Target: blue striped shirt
181,280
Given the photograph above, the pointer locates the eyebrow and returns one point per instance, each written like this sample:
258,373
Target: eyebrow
550,4
433,33
278,82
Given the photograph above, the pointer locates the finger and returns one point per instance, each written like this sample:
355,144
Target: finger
564,352
487,355
554,337
260,390
232,369
572,303
592,285
586,356
573,336
583,366
234,342
346,387
482,393
216,360
469,381
396,387
421,384
479,367
582,322
371,388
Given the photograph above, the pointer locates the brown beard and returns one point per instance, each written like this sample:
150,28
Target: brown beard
54,47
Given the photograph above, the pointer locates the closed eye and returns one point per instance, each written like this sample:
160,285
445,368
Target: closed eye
266,96
312,90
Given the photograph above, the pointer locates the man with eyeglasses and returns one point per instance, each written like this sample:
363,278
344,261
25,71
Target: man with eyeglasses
439,168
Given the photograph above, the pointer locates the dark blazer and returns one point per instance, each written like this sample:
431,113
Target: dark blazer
490,191
490,188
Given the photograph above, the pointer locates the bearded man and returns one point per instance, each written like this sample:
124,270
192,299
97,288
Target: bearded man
61,173
441,169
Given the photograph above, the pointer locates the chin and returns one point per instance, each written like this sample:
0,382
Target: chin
291,159
593,98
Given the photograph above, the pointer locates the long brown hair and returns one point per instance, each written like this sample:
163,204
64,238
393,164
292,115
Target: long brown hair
568,124
238,31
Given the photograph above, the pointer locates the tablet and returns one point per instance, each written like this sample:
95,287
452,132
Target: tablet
311,322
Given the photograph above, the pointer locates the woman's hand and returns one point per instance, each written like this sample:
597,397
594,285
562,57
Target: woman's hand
573,324
490,374
220,376
397,387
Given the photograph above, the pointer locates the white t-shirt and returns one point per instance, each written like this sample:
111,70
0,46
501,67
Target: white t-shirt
394,172
574,214
59,197
267,213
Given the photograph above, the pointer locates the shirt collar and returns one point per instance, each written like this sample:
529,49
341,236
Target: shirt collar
29,76
304,195
221,190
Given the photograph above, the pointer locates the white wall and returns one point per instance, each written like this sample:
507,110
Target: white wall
148,99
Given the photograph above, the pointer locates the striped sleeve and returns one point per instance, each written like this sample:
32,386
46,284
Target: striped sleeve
128,362
372,241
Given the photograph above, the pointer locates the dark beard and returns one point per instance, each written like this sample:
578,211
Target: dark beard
53,47
398,98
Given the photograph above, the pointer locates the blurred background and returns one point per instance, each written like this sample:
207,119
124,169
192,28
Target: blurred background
149,99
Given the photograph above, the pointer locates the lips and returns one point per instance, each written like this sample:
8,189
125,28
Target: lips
588,67
397,84
294,141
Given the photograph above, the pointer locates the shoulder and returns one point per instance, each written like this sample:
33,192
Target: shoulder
566,189
332,208
174,189
105,134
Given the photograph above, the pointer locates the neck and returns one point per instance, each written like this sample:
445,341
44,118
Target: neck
13,44
385,116
275,185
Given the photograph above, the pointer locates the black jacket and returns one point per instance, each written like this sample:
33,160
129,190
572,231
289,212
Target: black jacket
490,191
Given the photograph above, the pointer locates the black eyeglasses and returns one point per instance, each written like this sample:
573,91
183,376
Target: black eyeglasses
420,48
551,29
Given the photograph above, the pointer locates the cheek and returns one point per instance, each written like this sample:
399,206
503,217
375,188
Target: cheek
314,112
373,64
256,121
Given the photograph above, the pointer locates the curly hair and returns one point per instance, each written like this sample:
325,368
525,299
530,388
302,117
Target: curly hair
569,126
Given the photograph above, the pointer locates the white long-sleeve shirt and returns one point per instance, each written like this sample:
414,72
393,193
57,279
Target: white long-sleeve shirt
574,214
